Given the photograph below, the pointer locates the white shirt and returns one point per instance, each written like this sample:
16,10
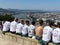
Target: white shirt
25,30
6,26
13,26
31,30
56,35
19,28
47,33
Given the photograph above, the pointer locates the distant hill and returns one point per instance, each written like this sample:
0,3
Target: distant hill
18,11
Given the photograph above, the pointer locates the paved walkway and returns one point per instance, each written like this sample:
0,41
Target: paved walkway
5,42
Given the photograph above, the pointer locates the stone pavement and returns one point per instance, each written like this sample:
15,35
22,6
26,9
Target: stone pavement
5,42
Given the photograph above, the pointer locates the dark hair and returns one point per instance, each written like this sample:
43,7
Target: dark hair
0,23
16,19
58,24
40,21
33,23
27,22
50,22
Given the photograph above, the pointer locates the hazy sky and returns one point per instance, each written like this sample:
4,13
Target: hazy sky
31,4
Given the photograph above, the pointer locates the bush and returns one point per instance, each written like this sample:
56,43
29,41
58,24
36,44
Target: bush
6,17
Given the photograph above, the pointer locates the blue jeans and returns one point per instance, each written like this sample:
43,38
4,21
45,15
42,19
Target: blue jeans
39,39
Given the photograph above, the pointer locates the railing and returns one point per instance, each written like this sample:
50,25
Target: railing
19,39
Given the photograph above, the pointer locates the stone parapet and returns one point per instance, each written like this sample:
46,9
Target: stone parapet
20,40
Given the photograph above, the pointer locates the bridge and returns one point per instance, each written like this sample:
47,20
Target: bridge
13,39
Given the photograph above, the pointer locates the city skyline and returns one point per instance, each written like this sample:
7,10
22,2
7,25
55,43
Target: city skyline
31,4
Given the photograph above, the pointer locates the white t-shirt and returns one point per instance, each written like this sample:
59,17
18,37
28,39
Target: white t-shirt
25,30
56,35
6,26
13,26
31,30
19,28
47,33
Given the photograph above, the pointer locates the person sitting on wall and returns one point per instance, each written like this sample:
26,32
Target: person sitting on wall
56,35
39,31
25,28
31,29
47,33
13,26
19,27
6,26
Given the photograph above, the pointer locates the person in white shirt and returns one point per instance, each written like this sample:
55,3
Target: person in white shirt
47,33
31,29
13,26
25,28
20,27
56,35
6,27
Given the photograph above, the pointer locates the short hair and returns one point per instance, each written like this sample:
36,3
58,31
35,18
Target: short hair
50,22
58,23
27,21
16,19
21,20
33,22
40,21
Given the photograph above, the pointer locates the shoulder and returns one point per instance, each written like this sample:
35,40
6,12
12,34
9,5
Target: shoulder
56,29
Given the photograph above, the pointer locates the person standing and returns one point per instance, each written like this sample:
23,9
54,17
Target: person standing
20,27
13,26
39,31
56,35
31,29
25,28
47,33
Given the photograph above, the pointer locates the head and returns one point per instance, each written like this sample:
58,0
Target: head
15,19
50,23
33,23
21,21
27,22
40,21
58,24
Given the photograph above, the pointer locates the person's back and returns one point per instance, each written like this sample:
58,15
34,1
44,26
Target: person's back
13,26
56,35
6,26
31,30
47,32
25,29
19,28
39,31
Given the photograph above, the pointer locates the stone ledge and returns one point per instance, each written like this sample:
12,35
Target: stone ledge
19,39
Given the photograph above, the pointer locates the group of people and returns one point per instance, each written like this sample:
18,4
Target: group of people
44,34
23,28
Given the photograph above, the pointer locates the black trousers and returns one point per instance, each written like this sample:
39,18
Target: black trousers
19,34
5,31
13,32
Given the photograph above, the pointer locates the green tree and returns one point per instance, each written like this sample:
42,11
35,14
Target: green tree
6,17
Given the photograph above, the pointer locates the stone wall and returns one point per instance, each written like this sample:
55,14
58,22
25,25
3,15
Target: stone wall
19,39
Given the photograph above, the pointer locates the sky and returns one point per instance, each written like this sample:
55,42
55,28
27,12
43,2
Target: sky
31,4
